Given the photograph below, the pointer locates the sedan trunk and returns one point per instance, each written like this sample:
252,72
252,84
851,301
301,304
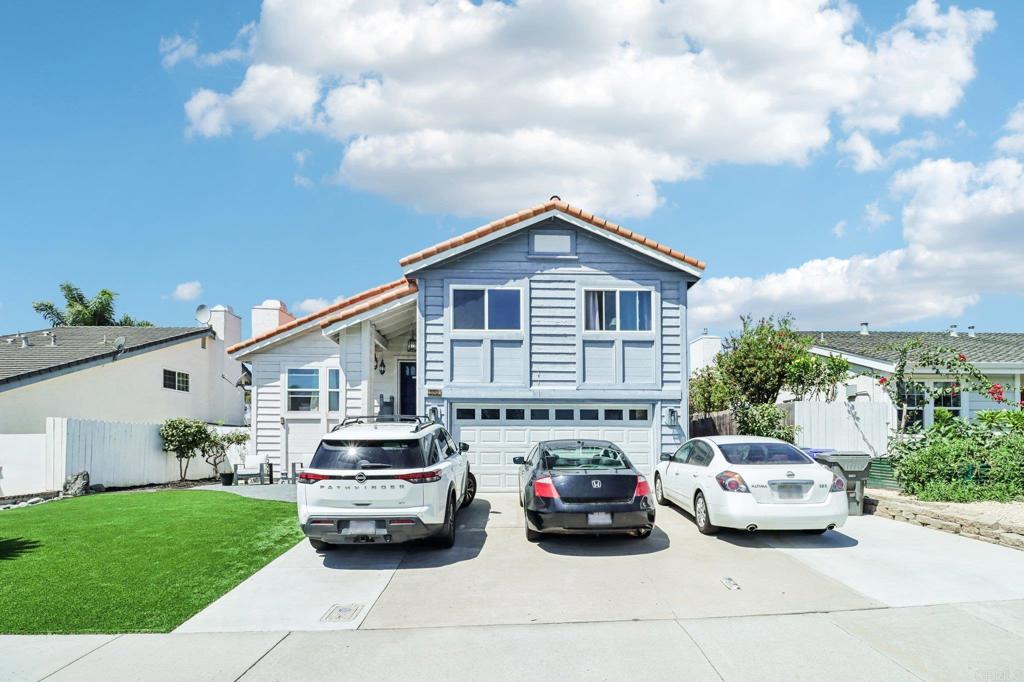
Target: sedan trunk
580,486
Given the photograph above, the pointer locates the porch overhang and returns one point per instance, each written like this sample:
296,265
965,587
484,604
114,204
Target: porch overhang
388,318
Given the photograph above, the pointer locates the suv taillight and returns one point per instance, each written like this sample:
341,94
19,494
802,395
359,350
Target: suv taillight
307,478
545,487
642,487
732,482
838,484
421,476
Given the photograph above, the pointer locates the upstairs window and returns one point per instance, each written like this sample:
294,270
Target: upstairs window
617,310
303,390
334,390
486,309
176,381
552,243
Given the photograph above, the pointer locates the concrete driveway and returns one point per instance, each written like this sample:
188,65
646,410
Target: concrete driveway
879,600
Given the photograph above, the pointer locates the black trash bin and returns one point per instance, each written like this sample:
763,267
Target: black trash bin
854,468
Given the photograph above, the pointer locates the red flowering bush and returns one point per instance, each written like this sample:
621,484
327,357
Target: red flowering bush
883,381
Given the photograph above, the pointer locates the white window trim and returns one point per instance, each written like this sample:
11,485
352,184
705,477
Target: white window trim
176,373
563,255
642,333
477,333
327,392
321,392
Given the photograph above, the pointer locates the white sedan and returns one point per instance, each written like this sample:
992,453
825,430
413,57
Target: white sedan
752,483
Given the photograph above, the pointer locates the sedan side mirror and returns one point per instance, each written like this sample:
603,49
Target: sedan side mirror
463,447
666,458
518,460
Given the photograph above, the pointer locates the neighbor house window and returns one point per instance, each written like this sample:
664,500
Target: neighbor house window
334,390
486,309
949,399
627,311
303,390
914,398
176,381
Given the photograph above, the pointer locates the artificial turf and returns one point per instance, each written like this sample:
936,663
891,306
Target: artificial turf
132,562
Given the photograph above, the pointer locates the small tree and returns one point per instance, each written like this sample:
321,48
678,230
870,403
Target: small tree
185,438
709,392
757,361
765,420
218,445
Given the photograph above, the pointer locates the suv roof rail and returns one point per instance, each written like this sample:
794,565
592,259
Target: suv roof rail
421,421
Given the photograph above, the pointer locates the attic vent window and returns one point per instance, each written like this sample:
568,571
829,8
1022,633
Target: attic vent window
552,243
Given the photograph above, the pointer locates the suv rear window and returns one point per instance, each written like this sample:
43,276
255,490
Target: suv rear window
762,453
374,454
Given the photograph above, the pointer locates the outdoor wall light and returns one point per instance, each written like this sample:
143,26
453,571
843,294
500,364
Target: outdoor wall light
673,417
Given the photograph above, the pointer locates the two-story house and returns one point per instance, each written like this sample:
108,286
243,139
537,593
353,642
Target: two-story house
549,323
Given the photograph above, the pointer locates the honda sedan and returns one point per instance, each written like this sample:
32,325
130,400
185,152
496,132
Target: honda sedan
583,486
752,483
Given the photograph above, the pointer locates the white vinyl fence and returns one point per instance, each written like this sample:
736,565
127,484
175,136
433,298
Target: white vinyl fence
116,454
863,427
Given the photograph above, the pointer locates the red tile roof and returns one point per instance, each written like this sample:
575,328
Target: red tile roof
393,295
403,285
553,204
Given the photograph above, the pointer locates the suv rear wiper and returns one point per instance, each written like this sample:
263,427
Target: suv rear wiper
374,465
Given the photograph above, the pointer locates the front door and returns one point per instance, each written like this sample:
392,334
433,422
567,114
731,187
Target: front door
407,388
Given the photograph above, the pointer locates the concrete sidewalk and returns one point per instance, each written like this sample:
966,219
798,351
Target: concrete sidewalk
978,641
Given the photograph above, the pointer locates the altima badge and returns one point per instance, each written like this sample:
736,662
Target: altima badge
595,484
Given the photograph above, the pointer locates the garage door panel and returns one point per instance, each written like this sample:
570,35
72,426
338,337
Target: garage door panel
494,444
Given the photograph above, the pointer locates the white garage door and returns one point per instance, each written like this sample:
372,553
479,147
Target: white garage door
497,433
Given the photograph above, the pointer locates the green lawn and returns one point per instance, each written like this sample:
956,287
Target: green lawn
132,562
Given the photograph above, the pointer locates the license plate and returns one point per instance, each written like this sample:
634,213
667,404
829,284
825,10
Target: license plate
599,519
362,527
790,491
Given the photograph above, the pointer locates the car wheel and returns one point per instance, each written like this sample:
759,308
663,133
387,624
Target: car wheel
319,545
643,533
700,515
446,538
815,531
659,491
470,494
531,534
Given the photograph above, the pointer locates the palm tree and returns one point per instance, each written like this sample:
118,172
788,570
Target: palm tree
80,311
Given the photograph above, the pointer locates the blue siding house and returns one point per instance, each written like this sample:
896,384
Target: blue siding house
550,323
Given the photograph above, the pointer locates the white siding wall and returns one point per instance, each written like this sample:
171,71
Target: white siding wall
131,389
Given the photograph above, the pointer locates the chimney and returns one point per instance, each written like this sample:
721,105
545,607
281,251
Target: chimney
225,324
269,315
864,329
970,331
952,331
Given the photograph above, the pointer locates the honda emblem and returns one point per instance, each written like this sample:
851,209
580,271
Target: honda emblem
595,484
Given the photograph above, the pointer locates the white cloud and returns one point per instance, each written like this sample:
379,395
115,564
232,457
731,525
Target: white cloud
481,108
311,305
865,157
301,156
175,49
1013,142
963,231
839,229
187,291
301,180
875,217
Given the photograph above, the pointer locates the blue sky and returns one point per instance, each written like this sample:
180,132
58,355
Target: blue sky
108,182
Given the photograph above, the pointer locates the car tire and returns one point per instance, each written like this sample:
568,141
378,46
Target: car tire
319,545
531,534
445,539
814,531
470,494
659,491
701,516
643,533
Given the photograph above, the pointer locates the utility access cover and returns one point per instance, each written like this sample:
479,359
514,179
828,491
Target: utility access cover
342,613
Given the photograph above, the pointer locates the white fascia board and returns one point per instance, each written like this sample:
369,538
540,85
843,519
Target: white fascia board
854,359
273,340
582,224
369,314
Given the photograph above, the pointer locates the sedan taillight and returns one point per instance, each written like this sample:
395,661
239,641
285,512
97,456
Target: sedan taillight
838,484
421,476
732,482
308,478
545,487
642,487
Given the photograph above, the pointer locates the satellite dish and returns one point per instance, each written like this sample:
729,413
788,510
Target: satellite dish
119,343
203,315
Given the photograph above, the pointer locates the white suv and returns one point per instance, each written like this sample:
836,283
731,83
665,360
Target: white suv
384,480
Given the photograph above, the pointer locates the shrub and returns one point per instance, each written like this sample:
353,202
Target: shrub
764,420
185,438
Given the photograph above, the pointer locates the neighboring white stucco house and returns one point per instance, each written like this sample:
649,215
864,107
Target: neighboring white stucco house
550,323
158,373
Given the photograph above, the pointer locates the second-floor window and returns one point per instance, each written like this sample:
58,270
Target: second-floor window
176,381
486,309
617,310
303,390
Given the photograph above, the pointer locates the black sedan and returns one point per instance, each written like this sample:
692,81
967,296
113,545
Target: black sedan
584,487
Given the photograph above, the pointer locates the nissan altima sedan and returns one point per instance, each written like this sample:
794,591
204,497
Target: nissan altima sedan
583,487
752,483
